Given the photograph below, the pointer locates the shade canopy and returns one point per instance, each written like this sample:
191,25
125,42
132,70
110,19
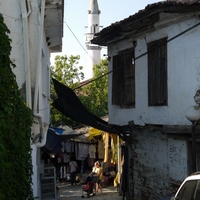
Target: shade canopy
56,135
70,106
67,133
94,132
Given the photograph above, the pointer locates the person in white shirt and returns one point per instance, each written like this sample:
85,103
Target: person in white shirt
73,168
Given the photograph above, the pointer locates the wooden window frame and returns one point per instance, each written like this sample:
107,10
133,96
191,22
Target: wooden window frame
157,73
123,83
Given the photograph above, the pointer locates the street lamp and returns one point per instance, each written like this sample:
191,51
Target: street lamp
193,115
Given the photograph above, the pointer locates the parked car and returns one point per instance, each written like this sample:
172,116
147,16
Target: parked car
189,189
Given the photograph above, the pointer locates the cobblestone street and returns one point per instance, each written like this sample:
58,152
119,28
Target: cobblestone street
68,192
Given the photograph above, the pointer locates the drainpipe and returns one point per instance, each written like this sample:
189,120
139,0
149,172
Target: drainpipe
25,15
43,131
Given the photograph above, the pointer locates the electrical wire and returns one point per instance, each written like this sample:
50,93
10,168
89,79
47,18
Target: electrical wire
80,43
136,58
92,80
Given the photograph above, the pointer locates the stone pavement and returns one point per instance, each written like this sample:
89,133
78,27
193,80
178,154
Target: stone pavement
68,192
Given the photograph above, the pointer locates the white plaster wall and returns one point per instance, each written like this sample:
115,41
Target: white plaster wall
177,159
13,21
11,11
183,77
34,25
158,161
14,24
45,83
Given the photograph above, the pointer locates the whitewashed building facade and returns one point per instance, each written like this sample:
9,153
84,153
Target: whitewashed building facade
154,56
36,30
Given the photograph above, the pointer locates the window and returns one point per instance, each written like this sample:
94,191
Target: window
157,73
123,87
188,190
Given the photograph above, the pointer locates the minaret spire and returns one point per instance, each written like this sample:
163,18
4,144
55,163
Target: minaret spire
94,51
94,8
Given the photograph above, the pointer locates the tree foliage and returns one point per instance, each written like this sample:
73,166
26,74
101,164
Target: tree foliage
93,95
67,72
15,130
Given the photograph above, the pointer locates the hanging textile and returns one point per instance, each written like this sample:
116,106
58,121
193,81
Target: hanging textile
70,105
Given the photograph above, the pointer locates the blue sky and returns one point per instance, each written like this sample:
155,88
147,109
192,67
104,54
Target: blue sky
76,18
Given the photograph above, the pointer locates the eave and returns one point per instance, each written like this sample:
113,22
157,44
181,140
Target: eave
142,21
53,24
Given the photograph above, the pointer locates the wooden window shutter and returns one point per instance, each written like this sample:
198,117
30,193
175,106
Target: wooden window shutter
116,82
123,88
157,73
129,79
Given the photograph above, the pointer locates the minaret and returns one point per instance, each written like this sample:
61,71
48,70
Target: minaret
94,51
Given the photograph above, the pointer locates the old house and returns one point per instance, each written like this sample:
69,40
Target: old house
36,30
154,68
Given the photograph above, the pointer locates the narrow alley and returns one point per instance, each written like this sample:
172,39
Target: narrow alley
69,192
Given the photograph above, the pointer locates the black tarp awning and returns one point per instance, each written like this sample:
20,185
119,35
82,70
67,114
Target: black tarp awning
70,106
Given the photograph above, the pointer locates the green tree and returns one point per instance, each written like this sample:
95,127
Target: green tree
15,130
93,93
67,72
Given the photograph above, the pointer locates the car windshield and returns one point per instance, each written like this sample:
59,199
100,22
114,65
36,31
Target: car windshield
189,191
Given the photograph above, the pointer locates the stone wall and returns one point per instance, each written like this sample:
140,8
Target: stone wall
158,164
